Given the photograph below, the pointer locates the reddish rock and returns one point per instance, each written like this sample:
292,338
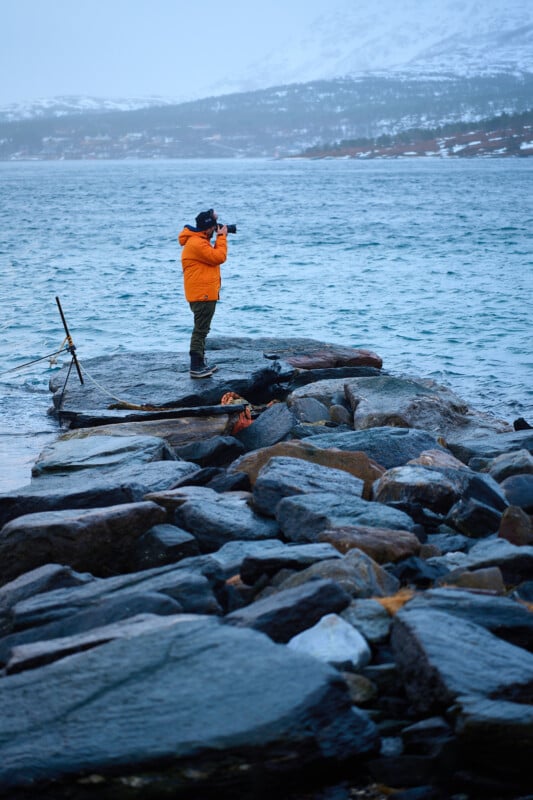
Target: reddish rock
327,357
438,458
355,463
383,545
516,526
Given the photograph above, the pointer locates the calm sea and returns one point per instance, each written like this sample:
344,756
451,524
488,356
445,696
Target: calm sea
428,263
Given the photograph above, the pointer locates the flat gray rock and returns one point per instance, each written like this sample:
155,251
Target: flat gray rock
388,446
89,540
93,488
286,613
491,446
283,477
143,703
303,517
284,556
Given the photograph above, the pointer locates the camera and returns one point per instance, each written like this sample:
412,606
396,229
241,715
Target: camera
231,228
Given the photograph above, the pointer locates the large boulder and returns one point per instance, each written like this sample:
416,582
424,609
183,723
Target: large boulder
164,703
356,463
302,518
99,450
93,488
89,540
388,446
283,477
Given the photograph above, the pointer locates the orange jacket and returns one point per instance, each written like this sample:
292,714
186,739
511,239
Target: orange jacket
201,262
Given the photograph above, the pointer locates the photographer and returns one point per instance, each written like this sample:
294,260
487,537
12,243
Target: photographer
201,262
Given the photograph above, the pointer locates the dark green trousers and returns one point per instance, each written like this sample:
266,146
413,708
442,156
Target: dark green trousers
203,311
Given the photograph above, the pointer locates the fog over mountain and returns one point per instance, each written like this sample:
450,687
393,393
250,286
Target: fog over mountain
414,36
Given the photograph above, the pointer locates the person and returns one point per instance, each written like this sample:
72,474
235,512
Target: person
201,262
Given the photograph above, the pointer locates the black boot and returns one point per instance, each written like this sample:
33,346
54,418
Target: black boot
198,367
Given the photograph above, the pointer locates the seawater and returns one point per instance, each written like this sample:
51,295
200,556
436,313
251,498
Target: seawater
426,262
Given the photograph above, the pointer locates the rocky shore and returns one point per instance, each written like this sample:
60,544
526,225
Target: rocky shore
303,576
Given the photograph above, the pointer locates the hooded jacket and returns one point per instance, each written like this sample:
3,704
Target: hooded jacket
201,264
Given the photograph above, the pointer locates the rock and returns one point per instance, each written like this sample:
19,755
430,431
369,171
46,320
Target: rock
163,544
302,518
66,455
516,526
334,641
118,687
39,580
215,451
414,571
340,415
489,579
355,463
93,488
230,482
410,403
487,680
439,459
282,556
308,409
104,611
89,540
381,544
449,542
505,618
518,462
284,477
474,518
388,446
370,619
272,426
37,654
492,445
515,563
518,490
286,613
356,573
322,357
161,380
219,518
417,484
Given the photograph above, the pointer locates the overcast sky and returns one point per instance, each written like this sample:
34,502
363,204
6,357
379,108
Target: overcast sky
137,48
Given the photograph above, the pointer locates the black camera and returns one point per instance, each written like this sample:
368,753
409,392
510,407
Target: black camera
231,228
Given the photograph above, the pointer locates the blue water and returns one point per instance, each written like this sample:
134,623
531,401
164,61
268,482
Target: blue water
426,262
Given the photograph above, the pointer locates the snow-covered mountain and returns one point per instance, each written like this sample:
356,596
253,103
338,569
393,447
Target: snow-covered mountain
462,37
67,105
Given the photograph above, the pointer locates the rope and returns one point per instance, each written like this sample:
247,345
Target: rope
120,402
36,360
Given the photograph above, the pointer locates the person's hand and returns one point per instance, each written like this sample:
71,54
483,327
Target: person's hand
223,229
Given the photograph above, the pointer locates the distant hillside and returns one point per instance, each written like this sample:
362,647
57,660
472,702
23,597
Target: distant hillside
280,121
506,135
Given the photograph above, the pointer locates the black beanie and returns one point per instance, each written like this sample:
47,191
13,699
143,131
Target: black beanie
205,220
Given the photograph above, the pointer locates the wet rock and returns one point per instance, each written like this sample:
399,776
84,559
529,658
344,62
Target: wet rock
104,611
491,446
414,403
302,518
219,518
215,452
272,559
518,490
286,613
93,488
89,540
474,518
161,380
501,616
388,446
296,722
416,484
163,544
69,455
381,544
334,641
355,463
270,427
284,477
324,356
369,618
356,573
308,409
519,462
516,526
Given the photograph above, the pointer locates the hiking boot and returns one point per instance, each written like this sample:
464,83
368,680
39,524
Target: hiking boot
201,372
199,369
212,367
